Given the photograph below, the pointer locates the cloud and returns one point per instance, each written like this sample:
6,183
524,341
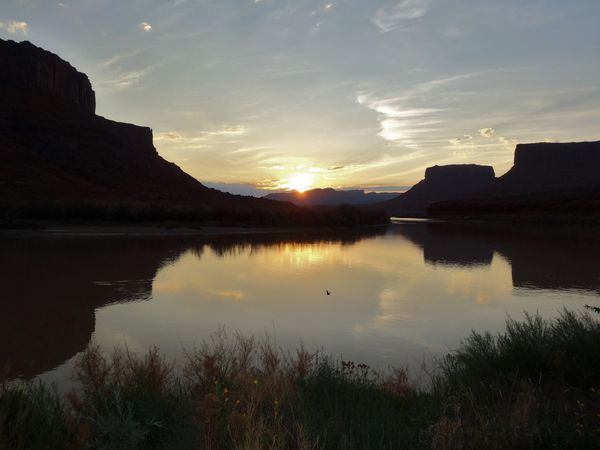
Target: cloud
202,139
487,132
270,185
230,295
400,123
15,27
388,19
168,136
413,114
145,26
461,140
126,80
226,130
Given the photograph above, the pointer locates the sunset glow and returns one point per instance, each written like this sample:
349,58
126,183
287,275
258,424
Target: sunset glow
300,182
371,92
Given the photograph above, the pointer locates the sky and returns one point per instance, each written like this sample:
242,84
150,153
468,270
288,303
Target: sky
254,95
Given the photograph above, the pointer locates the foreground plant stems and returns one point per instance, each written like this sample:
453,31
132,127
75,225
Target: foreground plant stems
533,386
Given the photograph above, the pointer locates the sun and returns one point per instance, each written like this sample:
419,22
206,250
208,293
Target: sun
300,182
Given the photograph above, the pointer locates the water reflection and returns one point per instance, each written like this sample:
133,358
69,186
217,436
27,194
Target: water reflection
397,292
52,287
562,259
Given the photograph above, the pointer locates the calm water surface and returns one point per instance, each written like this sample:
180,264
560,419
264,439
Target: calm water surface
398,295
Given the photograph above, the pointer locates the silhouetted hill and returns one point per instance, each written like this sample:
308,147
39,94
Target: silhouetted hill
331,196
60,161
546,180
53,146
441,183
547,167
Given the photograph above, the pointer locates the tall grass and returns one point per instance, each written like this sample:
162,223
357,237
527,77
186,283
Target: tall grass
537,385
534,386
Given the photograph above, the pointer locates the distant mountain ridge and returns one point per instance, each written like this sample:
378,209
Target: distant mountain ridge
331,197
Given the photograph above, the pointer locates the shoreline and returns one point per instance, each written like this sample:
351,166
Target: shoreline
158,231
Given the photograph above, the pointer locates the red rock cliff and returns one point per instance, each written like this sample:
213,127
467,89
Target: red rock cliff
25,66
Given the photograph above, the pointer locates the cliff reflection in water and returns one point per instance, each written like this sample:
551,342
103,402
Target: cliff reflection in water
52,287
565,259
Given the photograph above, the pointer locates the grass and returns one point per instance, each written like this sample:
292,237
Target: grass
536,385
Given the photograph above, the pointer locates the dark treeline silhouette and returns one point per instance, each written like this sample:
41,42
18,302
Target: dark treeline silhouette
41,214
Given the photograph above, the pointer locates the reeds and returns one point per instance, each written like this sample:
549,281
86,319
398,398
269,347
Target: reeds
534,386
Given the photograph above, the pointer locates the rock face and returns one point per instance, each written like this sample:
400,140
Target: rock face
442,183
548,167
331,197
54,148
547,180
27,67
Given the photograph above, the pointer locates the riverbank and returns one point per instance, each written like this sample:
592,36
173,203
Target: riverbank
166,231
40,216
533,386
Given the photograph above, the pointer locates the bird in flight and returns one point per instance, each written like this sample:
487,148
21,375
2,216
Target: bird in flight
328,293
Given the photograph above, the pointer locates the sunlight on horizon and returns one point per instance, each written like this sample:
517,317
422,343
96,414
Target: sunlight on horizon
300,182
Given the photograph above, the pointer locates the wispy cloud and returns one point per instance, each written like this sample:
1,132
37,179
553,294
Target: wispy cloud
125,80
461,140
226,130
183,140
388,19
399,122
145,26
411,114
15,27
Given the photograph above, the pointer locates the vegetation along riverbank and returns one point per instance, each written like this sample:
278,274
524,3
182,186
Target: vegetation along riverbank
533,386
